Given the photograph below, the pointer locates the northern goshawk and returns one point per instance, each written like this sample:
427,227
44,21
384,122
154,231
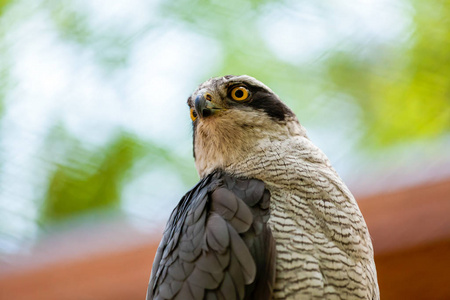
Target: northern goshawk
270,217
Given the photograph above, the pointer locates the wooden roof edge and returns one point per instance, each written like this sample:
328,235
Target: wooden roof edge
408,217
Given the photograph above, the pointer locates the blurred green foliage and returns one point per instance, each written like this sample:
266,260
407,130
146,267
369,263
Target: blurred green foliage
89,179
85,179
110,46
3,63
92,179
3,5
401,88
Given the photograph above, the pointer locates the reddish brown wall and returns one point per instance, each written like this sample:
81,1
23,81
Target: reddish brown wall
416,273
117,276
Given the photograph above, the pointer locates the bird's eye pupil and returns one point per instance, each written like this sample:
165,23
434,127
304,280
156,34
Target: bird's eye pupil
239,93
194,113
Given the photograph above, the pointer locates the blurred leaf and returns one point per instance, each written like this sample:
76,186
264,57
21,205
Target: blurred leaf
3,5
71,23
109,45
404,91
87,179
90,179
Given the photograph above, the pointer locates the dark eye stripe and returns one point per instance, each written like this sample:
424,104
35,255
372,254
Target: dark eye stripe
269,103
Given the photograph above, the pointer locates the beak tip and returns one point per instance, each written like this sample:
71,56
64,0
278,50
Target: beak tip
200,106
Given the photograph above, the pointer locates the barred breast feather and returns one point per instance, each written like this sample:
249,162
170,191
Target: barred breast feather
323,246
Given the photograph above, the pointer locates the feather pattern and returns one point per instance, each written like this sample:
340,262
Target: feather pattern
324,250
217,244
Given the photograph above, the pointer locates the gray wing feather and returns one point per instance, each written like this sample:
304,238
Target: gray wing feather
217,244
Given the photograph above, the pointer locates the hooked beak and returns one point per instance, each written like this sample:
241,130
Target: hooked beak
203,107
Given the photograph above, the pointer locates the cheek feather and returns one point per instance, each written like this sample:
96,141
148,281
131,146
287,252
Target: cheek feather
232,136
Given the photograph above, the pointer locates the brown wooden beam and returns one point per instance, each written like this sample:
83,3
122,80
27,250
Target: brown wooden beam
408,217
113,276
420,272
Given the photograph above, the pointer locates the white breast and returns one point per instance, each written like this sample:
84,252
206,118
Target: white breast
323,245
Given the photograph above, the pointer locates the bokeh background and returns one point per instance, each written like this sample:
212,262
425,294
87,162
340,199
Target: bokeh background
95,134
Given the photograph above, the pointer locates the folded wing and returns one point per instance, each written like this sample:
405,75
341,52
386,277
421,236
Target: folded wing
217,244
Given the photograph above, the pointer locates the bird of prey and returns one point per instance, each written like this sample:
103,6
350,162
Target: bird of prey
270,217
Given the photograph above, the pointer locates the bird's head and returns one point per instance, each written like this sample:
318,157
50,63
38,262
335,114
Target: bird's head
234,117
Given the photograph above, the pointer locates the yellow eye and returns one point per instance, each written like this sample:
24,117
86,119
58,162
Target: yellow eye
193,115
239,93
